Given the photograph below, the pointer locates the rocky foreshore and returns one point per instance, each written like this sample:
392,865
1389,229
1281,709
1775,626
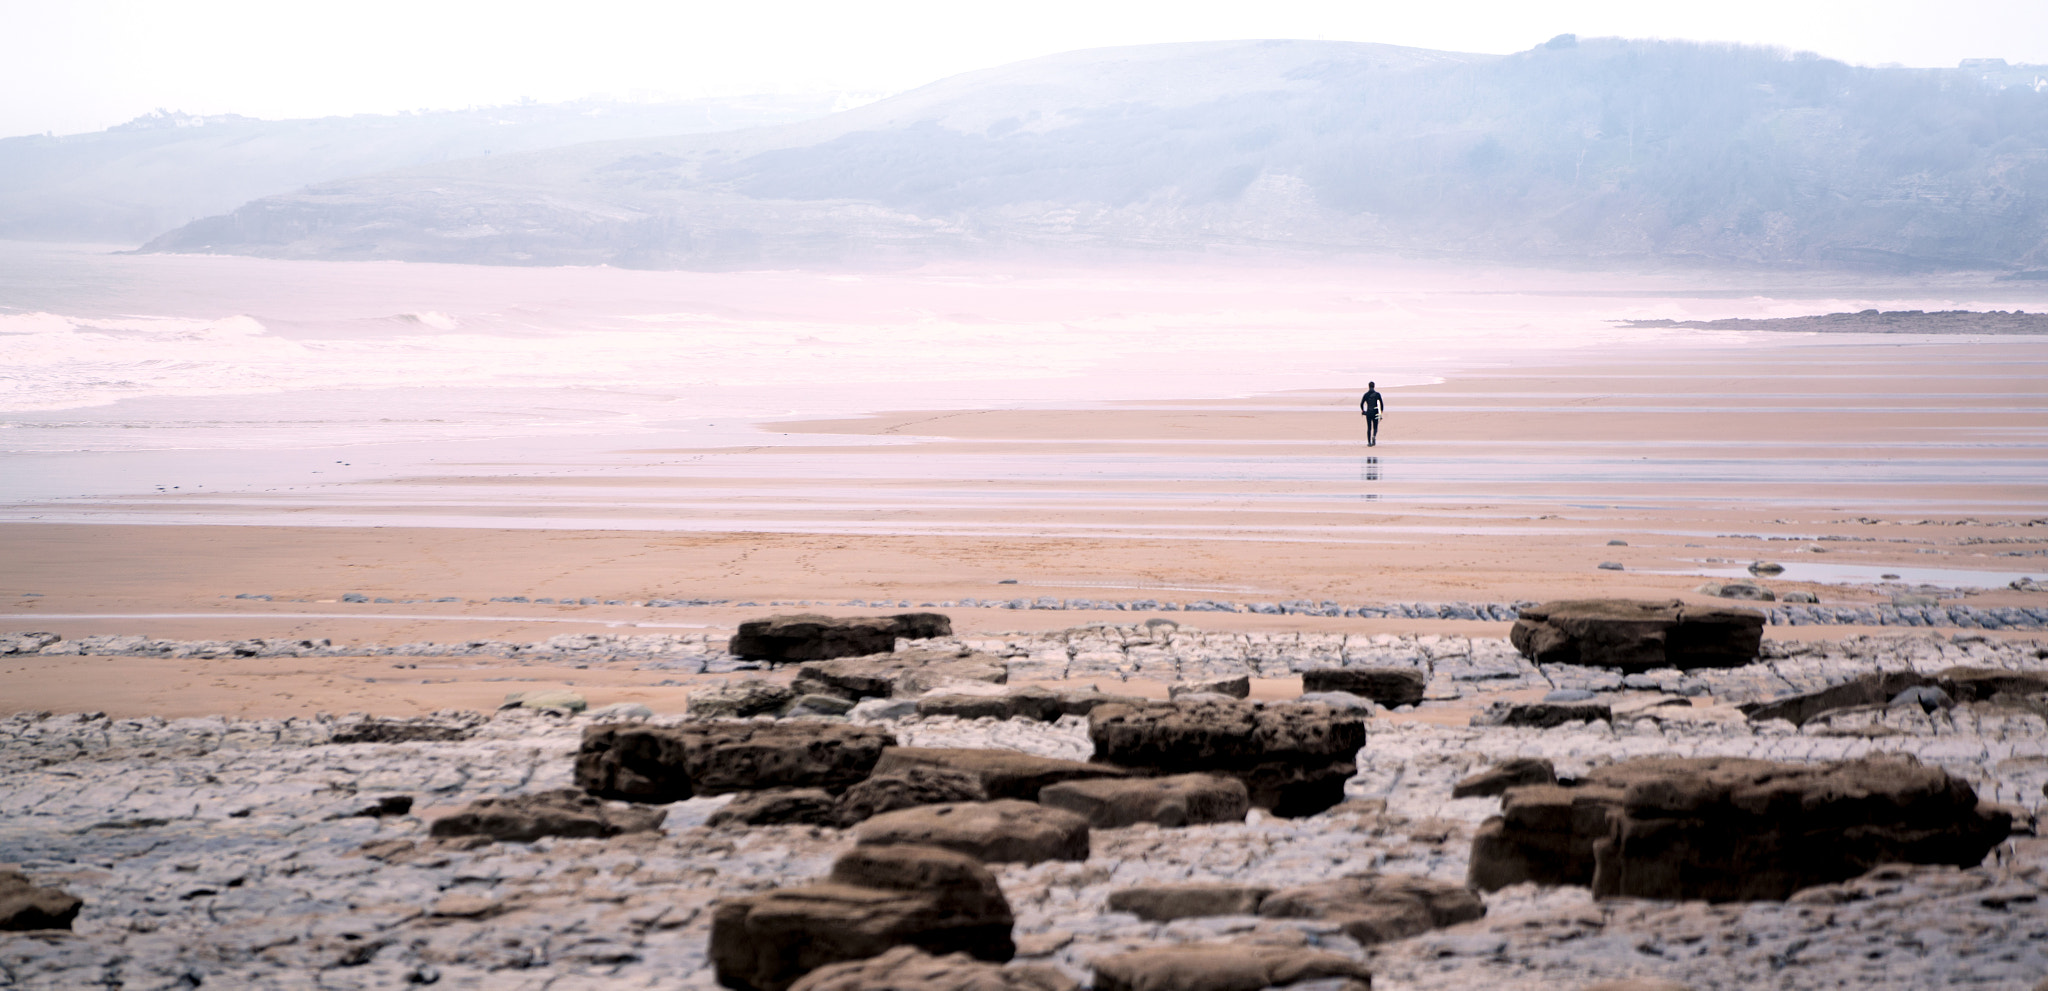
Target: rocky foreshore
1915,606
301,853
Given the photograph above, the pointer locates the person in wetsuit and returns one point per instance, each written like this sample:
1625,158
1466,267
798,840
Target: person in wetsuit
1371,406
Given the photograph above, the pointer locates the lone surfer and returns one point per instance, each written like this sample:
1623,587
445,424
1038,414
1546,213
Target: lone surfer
1371,406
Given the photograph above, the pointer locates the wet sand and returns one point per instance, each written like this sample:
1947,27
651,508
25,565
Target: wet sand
1922,457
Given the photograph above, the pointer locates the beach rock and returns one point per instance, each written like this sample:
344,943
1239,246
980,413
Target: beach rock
1389,687
1003,773
739,700
1927,697
1612,566
442,727
1005,830
818,705
876,898
1732,829
1542,715
1544,834
1766,568
1738,590
1570,695
907,968
1870,689
814,637
389,805
1180,800
667,764
1028,702
1798,596
1081,703
1637,984
25,905
1637,636
546,698
1911,600
779,807
1293,759
1167,902
622,711
1344,701
1223,967
1377,908
883,709
26,643
1237,688
904,674
1966,684
1507,774
563,812
908,788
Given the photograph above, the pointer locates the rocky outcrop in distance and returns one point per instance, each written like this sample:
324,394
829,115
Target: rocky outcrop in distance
1876,322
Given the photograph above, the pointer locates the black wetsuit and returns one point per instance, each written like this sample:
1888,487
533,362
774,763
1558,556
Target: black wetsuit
1371,404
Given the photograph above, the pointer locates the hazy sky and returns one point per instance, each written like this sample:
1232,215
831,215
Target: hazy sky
78,65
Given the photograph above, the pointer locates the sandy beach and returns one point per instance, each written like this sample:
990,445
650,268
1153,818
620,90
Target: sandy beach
1845,460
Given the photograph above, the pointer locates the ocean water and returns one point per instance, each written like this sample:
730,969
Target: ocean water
134,376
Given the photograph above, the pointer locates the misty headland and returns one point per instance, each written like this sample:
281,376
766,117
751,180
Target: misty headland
1574,152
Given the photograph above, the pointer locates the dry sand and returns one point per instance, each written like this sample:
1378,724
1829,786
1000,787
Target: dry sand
1493,486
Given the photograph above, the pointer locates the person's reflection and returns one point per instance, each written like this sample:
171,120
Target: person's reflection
1372,469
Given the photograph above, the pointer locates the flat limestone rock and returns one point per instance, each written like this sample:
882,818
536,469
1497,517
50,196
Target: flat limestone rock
1636,636
1389,687
25,905
1167,902
779,807
908,788
904,674
442,727
739,700
1237,688
1544,715
668,764
564,812
1872,689
1223,967
1005,830
1028,702
815,637
1003,773
1292,758
907,968
1378,908
876,899
1180,800
1733,829
1504,775
1962,684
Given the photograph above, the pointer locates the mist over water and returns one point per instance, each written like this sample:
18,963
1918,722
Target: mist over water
125,375
109,353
